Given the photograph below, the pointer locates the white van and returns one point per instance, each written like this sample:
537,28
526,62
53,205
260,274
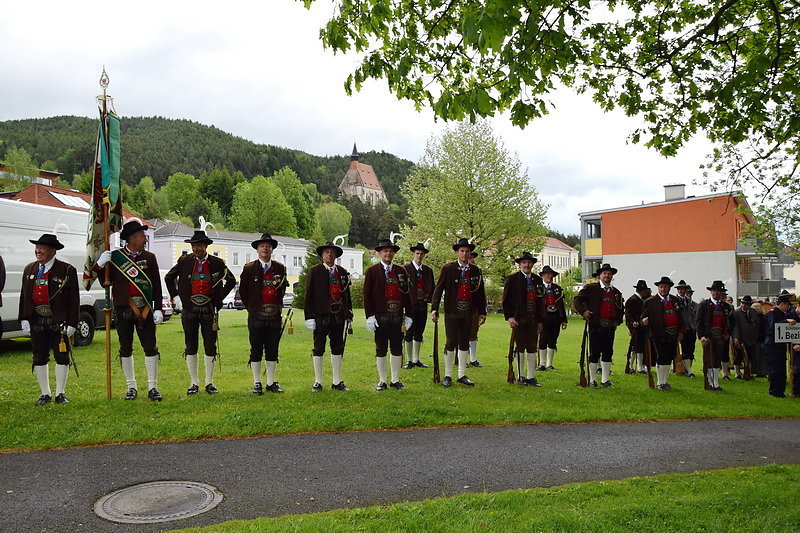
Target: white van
19,223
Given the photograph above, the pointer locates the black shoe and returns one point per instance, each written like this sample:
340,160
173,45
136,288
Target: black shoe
211,389
131,394
340,386
421,364
381,386
447,381
773,395
316,387
410,364
593,384
642,372
397,385
61,398
726,378
522,381
691,375
275,387
739,377
662,386
606,384
551,367
258,388
154,395
533,382
541,368
667,386
464,380
43,399
476,364
718,388
193,389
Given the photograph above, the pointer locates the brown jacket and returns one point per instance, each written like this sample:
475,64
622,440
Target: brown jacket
653,310
251,284
448,284
633,311
589,299
514,304
222,281
146,261
317,300
427,281
62,286
375,290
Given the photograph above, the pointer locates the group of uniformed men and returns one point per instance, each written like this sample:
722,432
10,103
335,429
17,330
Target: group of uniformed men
396,300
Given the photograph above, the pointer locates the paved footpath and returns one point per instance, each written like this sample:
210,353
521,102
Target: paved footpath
271,476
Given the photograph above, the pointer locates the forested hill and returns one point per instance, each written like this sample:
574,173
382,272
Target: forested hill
159,147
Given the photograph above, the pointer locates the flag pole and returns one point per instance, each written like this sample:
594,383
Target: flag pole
104,81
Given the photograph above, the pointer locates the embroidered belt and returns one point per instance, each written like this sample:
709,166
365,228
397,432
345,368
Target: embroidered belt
138,301
716,331
270,310
462,305
421,294
43,310
552,309
606,323
393,306
672,331
530,306
336,306
200,299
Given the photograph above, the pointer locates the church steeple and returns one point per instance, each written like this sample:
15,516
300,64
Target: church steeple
354,155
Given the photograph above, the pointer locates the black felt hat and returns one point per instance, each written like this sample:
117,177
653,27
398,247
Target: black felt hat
131,227
330,244
548,270
784,299
48,239
641,285
664,279
604,267
682,285
747,299
386,243
419,246
199,237
462,242
265,237
526,256
717,286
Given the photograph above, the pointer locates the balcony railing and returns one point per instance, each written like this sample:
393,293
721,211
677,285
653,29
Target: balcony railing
764,287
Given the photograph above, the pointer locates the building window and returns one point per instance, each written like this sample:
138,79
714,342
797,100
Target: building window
352,264
284,259
246,258
235,259
593,229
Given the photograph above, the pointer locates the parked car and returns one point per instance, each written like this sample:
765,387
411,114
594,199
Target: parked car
237,301
288,299
167,309
228,301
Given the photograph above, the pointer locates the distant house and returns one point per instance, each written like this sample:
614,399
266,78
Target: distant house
558,255
46,194
45,177
360,181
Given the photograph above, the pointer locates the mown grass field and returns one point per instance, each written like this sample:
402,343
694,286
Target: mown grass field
91,419
744,499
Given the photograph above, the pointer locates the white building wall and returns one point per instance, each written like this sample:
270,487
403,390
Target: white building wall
699,269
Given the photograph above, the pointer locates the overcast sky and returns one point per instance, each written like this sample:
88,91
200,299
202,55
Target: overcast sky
258,70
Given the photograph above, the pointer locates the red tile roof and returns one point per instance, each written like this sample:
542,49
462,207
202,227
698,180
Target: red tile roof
36,193
361,174
555,243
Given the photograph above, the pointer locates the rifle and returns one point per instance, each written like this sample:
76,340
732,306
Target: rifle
286,319
511,377
748,375
679,368
347,330
436,377
628,369
66,346
707,353
648,347
583,382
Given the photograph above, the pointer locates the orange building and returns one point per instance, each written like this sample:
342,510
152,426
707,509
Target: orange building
696,238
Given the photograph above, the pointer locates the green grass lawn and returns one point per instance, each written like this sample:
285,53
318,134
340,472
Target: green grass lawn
91,419
743,499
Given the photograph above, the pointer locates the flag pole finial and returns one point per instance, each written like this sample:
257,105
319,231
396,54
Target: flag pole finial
104,80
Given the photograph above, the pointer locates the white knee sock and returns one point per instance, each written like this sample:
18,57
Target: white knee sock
210,369
417,347
255,366
381,364
543,357
317,368
640,362
687,365
551,352
592,372
151,364
193,364
473,352
396,363
606,368
271,372
662,371
62,371
716,377
336,368
128,370
531,357
463,358
409,351
449,358
43,377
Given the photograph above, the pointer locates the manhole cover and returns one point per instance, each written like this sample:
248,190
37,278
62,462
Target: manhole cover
157,501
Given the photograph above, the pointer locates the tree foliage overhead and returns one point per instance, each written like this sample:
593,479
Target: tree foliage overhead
468,185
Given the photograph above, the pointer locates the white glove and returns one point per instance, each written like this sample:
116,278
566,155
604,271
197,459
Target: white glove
372,324
26,327
311,324
158,317
176,303
71,331
104,258
407,321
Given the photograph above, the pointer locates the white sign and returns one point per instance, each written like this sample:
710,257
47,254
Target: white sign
785,332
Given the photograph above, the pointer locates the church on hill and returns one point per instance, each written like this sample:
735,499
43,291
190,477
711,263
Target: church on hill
360,181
